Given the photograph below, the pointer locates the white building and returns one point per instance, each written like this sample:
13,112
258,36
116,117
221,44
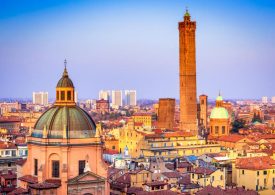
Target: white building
104,94
41,98
130,97
273,100
265,100
116,98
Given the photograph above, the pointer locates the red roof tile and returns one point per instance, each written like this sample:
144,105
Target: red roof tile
29,179
255,163
203,170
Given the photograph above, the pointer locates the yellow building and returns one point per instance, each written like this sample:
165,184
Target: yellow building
256,173
205,176
144,118
139,177
132,139
167,144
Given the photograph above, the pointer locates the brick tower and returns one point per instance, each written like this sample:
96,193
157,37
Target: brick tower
188,86
203,111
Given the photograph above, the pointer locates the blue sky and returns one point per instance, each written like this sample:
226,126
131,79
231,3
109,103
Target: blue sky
134,45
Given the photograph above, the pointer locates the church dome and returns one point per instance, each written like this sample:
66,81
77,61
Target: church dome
65,81
219,113
71,119
65,119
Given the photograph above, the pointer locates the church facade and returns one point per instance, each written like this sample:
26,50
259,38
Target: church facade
65,151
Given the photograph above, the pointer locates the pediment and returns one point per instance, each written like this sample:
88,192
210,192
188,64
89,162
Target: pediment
88,177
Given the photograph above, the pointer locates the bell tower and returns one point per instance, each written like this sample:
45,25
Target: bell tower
187,74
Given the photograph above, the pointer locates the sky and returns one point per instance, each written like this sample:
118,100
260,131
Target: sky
134,45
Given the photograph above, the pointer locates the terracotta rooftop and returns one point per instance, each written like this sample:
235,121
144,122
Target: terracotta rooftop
44,185
203,170
169,166
18,191
185,180
209,190
173,174
162,192
231,138
184,164
155,183
255,163
7,145
29,179
124,179
134,190
9,176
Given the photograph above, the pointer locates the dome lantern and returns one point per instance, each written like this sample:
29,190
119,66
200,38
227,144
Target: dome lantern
65,89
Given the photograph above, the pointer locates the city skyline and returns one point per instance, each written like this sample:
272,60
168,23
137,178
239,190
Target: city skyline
224,44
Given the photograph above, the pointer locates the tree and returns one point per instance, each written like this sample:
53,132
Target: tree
237,124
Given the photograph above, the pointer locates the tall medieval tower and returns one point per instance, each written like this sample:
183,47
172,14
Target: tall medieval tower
188,86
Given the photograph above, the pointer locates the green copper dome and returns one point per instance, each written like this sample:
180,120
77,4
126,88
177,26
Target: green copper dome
72,119
65,81
219,113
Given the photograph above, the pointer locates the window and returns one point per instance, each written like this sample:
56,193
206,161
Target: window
258,173
243,172
81,166
216,129
265,172
35,167
62,95
55,168
69,95
221,177
57,95
223,129
113,147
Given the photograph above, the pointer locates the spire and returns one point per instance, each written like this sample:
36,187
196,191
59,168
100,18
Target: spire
65,73
186,12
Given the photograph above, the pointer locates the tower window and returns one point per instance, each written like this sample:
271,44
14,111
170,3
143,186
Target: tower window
223,129
81,166
216,129
69,95
62,95
57,95
55,168
35,167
